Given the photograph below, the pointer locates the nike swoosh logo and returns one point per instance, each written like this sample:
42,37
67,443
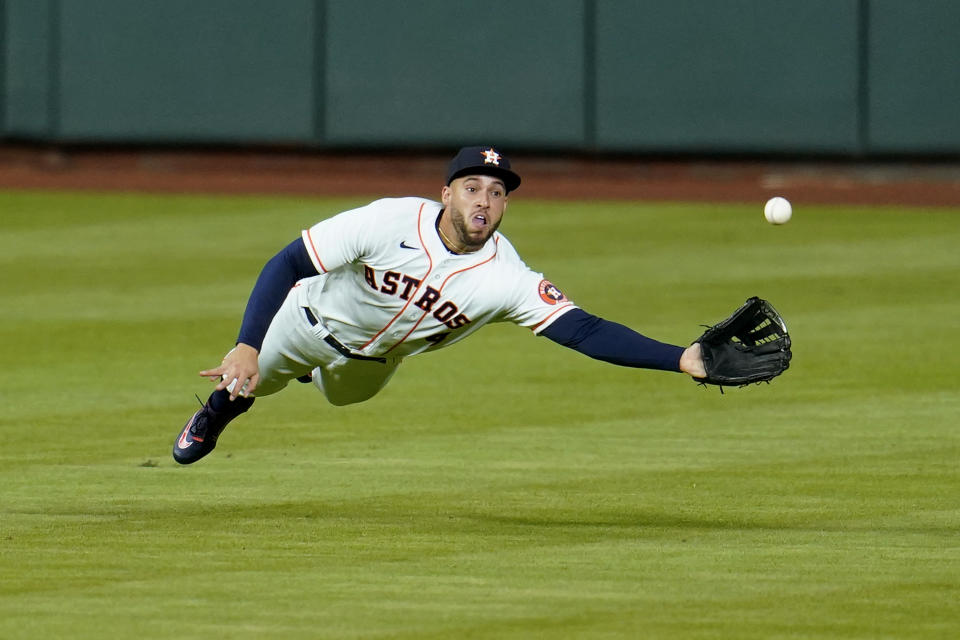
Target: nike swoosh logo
182,442
404,245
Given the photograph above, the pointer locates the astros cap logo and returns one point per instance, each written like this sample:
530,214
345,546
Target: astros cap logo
491,157
481,160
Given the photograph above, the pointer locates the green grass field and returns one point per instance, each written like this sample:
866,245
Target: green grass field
502,488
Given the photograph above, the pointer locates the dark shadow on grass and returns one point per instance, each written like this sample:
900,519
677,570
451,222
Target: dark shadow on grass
630,520
387,513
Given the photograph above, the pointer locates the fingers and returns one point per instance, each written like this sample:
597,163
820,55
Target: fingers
220,375
213,374
251,385
227,382
238,381
241,384
239,372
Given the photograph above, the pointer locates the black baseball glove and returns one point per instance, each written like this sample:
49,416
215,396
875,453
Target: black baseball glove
752,345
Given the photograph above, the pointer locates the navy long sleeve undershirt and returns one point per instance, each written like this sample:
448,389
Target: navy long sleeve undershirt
612,342
280,273
576,329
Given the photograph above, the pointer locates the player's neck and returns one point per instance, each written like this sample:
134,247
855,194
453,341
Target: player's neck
452,247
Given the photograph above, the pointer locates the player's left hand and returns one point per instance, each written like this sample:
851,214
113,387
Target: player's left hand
691,361
750,346
239,372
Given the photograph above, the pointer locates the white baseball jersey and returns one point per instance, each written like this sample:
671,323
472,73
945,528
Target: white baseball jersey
389,286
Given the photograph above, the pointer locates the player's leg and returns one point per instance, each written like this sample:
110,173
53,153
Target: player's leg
347,381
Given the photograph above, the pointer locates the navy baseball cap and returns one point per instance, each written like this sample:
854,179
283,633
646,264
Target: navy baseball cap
485,161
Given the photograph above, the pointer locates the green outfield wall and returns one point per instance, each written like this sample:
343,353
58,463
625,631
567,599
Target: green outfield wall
838,77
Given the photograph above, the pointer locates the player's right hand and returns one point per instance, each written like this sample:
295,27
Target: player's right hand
238,372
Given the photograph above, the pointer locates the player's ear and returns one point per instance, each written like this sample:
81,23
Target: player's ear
445,195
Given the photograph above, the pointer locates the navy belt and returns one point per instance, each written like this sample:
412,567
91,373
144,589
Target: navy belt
336,344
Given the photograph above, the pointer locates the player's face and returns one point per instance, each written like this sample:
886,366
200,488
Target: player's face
474,208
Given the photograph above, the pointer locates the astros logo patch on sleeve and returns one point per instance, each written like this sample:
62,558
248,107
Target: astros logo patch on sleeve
550,294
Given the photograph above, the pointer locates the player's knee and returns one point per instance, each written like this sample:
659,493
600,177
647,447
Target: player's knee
343,399
340,397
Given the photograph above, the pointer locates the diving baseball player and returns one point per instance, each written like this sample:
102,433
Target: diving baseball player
345,303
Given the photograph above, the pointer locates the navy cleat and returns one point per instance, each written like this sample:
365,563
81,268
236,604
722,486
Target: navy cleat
199,435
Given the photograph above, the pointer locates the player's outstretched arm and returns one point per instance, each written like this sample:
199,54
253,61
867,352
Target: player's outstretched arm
620,345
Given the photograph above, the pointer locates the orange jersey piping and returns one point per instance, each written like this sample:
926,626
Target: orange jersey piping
313,250
445,281
537,326
415,291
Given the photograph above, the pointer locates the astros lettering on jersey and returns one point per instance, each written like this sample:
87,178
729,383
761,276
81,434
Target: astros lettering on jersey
389,286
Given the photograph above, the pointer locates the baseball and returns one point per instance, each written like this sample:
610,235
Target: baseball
777,210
